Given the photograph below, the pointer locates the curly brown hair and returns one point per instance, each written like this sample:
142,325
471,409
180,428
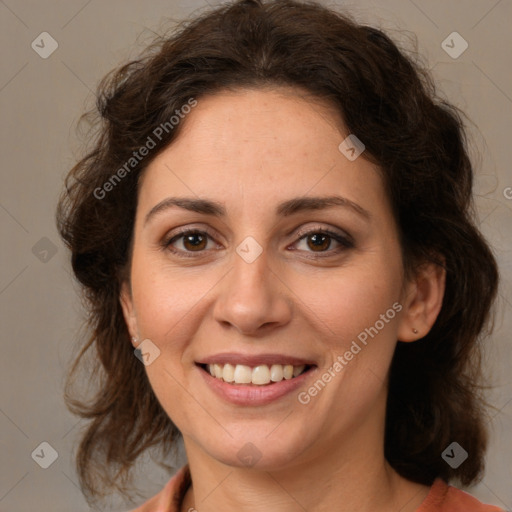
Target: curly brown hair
418,141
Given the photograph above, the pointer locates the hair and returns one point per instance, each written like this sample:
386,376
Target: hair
418,141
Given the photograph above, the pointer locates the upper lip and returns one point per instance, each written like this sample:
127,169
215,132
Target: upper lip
254,360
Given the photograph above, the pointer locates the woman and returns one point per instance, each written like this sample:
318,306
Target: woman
276,219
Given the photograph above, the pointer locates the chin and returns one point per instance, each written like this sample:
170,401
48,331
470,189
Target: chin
258,452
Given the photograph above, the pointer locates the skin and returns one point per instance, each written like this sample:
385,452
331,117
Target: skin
251,150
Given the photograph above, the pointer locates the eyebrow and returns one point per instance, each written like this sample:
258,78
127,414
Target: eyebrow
285,209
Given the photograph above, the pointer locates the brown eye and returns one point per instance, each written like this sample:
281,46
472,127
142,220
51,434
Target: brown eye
320,241
191,241
194,241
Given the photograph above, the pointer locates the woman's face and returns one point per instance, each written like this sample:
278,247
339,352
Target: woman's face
261,285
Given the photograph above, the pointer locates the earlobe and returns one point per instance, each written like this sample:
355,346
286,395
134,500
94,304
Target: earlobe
125,298
422,303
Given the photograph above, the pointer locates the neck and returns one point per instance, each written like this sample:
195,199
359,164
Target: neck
331,480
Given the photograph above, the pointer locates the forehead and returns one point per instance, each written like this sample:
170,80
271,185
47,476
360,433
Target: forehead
259,146
269,121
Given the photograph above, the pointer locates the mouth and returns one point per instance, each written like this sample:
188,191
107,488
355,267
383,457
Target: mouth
250,380
258,375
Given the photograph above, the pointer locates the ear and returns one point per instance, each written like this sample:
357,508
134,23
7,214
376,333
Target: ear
129,311
422,301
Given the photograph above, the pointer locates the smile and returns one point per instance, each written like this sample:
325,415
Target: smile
251,380
260,375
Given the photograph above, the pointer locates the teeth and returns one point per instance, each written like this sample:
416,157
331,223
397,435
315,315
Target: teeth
243,374
259,375
276,372
297,370
217,369
288,371
228,373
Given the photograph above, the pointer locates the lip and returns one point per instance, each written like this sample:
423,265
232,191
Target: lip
252,394
254,360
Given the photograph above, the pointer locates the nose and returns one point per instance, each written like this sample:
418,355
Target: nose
253,298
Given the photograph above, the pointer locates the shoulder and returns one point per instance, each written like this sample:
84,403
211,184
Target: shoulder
446,498
170,497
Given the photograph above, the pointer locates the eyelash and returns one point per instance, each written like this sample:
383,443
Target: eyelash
344,241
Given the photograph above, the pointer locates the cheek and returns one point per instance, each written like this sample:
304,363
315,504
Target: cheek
168,300
170,306
346,301
358,313
160,304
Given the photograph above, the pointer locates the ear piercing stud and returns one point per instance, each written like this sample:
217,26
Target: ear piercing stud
134,339
415,331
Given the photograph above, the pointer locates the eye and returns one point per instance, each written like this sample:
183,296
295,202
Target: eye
320,241
316,241
191,240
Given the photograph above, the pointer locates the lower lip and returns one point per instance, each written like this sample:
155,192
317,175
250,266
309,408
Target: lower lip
251,394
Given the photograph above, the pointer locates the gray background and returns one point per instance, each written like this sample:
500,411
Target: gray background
41,100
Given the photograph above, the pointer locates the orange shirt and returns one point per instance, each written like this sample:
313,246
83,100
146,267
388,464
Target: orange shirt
441,498
445,498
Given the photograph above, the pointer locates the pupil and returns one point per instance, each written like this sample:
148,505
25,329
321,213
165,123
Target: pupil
197,237
316,240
